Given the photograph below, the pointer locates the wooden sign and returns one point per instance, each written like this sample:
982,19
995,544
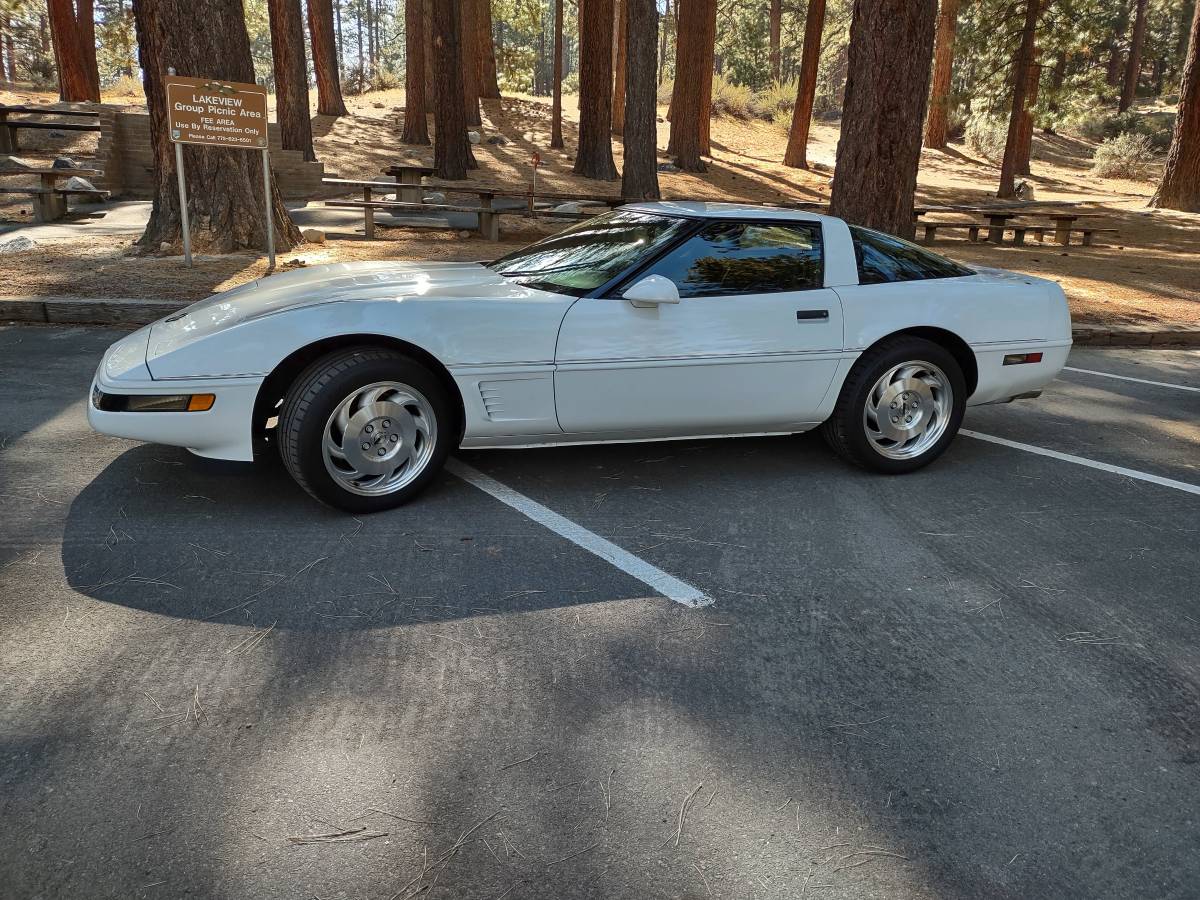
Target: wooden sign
217,113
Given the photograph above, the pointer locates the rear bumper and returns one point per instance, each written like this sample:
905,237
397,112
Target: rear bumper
223,432
999,383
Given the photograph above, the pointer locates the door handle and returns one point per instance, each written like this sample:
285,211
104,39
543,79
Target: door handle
807,315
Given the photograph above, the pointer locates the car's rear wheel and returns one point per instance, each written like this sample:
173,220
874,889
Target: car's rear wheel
365,429
900,406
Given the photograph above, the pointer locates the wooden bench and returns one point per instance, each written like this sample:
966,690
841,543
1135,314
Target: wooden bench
9,127
489,225
49,199
1020,231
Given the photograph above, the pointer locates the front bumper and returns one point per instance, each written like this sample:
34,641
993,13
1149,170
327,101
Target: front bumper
222,432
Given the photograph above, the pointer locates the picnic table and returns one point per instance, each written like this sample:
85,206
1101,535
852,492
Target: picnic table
999,216
410,176
9,127
50,200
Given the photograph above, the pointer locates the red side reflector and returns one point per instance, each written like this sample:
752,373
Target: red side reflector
1016,359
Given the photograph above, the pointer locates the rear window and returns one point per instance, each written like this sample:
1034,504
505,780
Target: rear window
882,258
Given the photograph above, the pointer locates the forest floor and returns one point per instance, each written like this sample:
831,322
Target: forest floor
1146,275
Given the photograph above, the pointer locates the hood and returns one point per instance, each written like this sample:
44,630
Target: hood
334,283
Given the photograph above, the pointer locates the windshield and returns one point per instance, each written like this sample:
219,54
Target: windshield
583,257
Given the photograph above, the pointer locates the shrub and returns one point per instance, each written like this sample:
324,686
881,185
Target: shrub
665,90
1155,127
730,99
775,102
386,80
1123,156
125,85
956,123
987,135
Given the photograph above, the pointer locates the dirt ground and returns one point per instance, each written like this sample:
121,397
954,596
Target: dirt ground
1146,273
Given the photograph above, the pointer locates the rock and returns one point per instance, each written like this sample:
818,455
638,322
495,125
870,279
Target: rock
668,167
15,162
313,235
498,140
75,183
164,247
16,245
464,234
296,263
659,119
379,105
435,197
571,207
473,137
64,162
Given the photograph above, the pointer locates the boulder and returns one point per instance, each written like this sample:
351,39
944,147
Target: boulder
64,162
16,245
498,140
473,137
668,167
313,235
15,162
435,197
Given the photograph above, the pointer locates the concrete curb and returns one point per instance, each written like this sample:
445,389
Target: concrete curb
132,312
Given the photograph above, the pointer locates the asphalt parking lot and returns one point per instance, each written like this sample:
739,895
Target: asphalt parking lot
981,680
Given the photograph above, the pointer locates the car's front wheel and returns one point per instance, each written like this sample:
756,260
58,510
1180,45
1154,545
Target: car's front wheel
900,406
365,429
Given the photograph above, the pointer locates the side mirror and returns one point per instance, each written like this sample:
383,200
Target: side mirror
651,291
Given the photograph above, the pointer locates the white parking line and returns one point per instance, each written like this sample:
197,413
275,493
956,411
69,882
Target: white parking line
667,585
1090,463
1163,384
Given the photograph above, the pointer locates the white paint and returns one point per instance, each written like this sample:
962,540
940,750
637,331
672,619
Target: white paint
667,585
1090,463
1163,384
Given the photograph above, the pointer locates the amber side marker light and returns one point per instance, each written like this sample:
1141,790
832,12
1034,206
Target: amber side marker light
1016,359
204,402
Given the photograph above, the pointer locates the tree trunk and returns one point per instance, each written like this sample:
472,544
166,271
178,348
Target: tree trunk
594,158
1133,63
489,84
325,59
1180,187
291,77
891,48
430,84
943,65
451,149
416,129
708,48
1025,138
86,22
12,60
1020,80
693,69
776,31
620,44
203,39
662,42
639,180
470,59
796,154
74,81
556,135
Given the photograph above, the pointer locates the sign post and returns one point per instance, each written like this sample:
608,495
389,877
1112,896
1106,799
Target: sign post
215,113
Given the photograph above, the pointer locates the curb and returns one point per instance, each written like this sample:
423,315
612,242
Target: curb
132,312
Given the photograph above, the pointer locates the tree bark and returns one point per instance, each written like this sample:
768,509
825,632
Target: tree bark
291,77
203,39
489,84
85,19
796,154
662,41
891,48
775,29
639,180
325,59
1025,136
1180,186
471,68
708,48
943,66
451,149
1020,80
74,81
594,158
1133,62
693,71
620,45
556,135
416,129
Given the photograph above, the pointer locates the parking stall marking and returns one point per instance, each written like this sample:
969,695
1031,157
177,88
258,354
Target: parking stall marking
662,583
1162,384
1089,463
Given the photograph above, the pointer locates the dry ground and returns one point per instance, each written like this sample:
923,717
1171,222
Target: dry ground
1148,274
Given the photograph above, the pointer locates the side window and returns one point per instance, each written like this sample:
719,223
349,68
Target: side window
729,258
882,258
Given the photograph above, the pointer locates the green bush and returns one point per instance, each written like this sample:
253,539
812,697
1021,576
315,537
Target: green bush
775,102
730,99
1097,126
1124,156
987,135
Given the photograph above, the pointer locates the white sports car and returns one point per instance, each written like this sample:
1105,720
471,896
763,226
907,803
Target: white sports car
655,321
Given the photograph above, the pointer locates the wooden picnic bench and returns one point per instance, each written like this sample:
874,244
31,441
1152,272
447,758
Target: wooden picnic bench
50,200
9,127
410,175
489,225
1020,231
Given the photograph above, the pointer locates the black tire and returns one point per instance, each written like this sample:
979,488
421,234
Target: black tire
316,394
844,431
